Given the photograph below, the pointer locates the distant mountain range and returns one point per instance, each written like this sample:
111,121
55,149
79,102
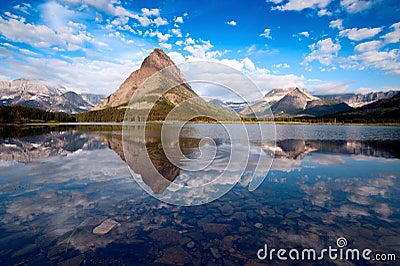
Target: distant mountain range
380,110
356,100
299,102
39,95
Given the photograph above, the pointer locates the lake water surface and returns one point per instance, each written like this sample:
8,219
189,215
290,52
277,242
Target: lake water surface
57,184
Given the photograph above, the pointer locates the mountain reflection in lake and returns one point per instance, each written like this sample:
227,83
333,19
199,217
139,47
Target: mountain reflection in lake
148,159
58,184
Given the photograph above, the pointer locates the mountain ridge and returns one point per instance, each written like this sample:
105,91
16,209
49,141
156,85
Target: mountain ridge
37,94
298,102
358,99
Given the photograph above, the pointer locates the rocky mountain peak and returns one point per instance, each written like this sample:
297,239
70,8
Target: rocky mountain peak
157,59
276,95
301,92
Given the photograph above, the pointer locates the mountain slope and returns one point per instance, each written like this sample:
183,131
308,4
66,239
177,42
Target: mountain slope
155,62
287,101
165,88
38,95
386,109
293,102
276,95
326,108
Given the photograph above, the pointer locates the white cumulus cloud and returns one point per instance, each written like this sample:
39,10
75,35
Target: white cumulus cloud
336,24
394,35
202,50
305,34
266,33
323,51
355,6
110,7
387,61
166,45
299,5
324,12
159,21
160,36
41,36
368,46
330,88
360,34
150,12
177,32
282,65
232,23
179,20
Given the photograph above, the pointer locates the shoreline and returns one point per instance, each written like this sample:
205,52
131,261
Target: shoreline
197,122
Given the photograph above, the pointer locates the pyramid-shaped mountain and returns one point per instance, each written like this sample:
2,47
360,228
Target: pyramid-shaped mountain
152,64
158,86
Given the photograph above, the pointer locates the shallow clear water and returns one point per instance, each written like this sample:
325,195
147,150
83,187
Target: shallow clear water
325,182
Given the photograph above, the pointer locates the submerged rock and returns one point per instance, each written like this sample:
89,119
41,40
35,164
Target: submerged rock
174,256
258,225
105,227
166,236
23,251
214,228
130,233
190,244
239,216
215,253
228,242
185,240
254,262
75,261
226,210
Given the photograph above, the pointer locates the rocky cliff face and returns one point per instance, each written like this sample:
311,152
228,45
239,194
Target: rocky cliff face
155,62
39,95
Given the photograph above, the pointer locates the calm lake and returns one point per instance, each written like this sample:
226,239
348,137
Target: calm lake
58,184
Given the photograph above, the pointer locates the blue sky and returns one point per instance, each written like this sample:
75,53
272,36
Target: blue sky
326,46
